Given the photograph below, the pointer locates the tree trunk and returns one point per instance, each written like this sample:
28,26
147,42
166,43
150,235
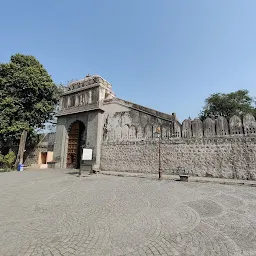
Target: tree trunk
20,155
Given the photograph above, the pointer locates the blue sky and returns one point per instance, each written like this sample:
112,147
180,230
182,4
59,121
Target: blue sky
164,54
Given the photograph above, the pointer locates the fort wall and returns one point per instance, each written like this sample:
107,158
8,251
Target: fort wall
216,147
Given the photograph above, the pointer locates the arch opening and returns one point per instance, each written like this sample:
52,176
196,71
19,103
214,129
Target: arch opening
75,136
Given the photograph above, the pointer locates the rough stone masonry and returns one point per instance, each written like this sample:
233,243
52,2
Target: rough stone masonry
121,135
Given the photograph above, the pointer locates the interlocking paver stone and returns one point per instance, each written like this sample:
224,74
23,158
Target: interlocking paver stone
55,213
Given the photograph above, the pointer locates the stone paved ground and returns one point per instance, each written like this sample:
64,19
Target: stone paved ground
54,213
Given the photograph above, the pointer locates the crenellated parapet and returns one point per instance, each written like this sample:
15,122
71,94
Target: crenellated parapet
176,129
222,127
249,124
209,127
235,125
197,128
186,129
219,127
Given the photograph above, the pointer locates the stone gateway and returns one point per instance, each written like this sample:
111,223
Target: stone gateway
121,136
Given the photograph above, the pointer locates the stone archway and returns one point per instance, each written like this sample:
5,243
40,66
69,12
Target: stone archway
75,135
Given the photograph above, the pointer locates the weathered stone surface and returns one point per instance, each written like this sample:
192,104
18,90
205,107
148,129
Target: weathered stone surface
148,131
209,127
166,132
197,128
217,157
222,126
139,123
249,124
186,128
235,125
132,132
176,129
125,132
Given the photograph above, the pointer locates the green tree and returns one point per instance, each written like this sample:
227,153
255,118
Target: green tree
28,97
234,103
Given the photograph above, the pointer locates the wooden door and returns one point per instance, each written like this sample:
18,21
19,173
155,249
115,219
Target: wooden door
73,146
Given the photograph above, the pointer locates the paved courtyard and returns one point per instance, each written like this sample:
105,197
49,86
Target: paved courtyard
55,213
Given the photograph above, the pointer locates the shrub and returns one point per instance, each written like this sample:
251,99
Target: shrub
7,161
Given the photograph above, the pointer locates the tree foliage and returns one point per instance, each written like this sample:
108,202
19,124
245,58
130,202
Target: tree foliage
234,103
28,97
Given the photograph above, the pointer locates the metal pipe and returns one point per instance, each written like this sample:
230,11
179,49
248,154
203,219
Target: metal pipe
159,165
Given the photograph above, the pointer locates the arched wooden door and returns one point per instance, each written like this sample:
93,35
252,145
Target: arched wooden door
75,135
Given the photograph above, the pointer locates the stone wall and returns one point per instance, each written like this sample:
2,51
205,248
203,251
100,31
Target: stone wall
215,157
133,125
215,148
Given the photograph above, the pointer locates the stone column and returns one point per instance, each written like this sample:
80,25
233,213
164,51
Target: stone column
99,139
60,146
94,136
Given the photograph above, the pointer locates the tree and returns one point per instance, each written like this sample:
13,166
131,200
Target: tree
28,97
234,103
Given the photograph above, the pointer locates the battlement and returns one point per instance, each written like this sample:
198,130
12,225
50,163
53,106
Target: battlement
221,126
209,128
